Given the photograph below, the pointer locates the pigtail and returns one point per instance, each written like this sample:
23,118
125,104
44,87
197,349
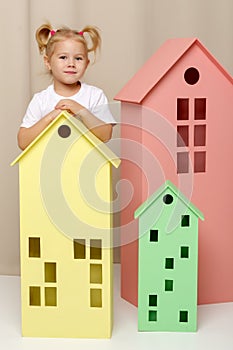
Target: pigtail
42,36
95,38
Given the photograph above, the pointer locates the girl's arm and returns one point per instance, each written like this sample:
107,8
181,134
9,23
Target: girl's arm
27,135
100,129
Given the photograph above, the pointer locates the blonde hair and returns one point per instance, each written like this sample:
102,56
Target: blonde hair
46,38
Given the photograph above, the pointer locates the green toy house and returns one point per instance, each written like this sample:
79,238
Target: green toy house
168,256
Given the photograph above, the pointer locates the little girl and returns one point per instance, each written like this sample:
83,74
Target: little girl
66,57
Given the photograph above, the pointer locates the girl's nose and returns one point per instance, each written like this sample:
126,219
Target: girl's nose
71,62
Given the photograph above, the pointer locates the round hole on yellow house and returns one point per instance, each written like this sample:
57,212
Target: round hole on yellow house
64,131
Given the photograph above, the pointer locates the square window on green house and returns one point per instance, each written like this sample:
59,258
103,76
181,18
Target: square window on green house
169,263
168,285
153,300
184,252
183,316
152,315
185,220
154,235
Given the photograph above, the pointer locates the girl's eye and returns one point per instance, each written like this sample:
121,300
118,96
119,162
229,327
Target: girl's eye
79,58
62,57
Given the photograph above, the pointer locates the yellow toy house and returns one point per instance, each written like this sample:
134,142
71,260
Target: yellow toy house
66,233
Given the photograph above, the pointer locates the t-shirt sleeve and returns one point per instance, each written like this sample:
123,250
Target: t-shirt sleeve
33,113
101,108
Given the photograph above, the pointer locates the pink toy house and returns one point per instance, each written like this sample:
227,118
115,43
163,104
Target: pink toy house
177,115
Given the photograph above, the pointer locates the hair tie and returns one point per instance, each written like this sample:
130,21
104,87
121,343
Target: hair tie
80,33
52,32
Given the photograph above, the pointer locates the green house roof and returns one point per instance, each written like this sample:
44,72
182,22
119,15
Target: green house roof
78,125
168,184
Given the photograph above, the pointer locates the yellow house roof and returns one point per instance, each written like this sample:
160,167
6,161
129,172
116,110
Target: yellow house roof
95,142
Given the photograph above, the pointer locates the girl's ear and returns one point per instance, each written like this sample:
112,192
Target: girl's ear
46,62
88,62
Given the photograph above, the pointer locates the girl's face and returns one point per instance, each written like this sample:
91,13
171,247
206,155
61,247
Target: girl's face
68,62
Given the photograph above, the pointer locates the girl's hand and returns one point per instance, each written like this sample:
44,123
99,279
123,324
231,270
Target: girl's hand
70,106
98,127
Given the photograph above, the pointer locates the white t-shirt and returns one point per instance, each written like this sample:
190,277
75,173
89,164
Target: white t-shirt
90,97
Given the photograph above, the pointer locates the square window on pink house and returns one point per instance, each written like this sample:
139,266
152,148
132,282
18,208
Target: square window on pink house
200,109
182,135
199,162
199,135
182,162
182,109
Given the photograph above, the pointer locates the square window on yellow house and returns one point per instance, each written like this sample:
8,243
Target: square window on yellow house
95,273
96,297
50,296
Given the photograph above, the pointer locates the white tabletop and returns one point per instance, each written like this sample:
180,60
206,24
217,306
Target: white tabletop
215,327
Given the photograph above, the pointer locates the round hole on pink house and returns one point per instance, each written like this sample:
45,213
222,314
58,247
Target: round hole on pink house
191,76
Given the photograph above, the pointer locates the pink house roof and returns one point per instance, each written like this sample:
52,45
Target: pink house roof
158,65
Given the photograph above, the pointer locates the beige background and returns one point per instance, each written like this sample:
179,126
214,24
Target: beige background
132,30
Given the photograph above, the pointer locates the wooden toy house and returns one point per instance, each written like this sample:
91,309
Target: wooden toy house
179,108
65,233
168,259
